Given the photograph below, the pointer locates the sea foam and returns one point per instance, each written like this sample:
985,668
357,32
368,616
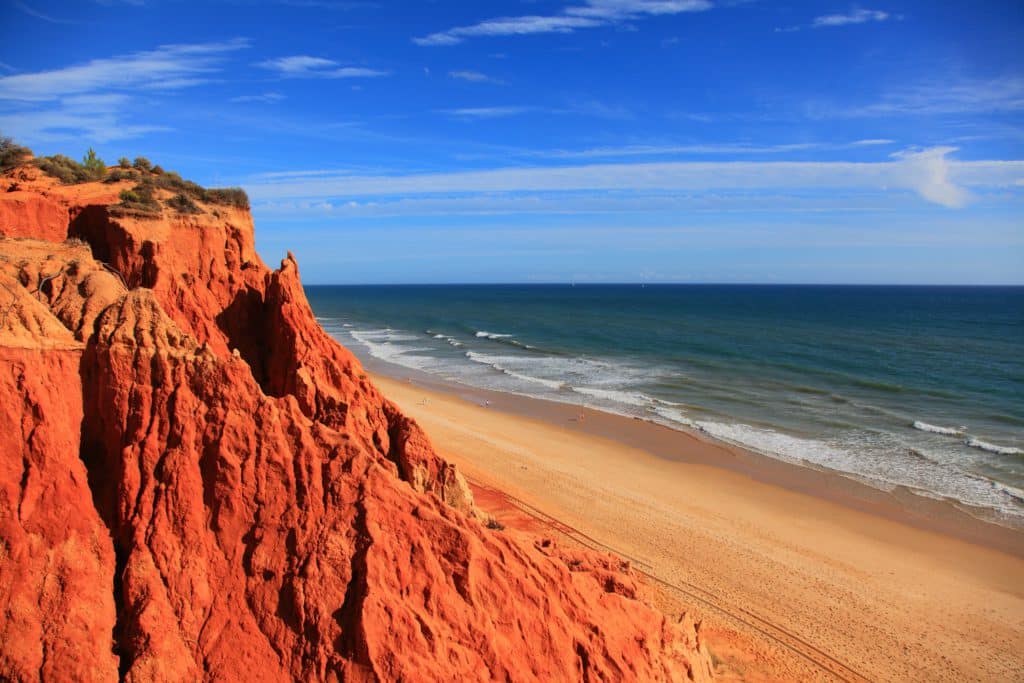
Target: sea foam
498,363
633,398
991,447
934,429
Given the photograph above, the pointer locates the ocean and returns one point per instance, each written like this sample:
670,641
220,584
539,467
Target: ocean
916,387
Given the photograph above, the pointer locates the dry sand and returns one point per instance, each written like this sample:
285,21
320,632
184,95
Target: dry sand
797,574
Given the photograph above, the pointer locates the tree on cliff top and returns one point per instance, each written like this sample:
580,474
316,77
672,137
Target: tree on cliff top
93,165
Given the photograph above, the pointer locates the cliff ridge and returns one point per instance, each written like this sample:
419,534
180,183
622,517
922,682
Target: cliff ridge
199,483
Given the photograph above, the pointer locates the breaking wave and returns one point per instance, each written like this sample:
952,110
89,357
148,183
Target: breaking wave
934,429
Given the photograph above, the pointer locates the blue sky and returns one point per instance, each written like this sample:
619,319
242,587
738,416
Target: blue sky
536,141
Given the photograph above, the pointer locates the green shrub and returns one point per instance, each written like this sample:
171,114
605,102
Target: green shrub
170,180
65,169
142,164
182,204
11,153
124,162
137,201
130,197
116,176
230,196
158,169
93,165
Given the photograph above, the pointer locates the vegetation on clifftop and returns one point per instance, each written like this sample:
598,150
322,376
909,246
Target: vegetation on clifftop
12,154
141,199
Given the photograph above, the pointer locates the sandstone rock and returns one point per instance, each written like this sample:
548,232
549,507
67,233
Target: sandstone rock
56,558
198,483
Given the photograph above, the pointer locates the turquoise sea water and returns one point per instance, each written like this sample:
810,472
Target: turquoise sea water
921,387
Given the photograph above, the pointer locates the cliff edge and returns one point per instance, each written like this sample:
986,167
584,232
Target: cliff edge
198,483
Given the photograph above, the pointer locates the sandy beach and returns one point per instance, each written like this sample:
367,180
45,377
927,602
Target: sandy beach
797,574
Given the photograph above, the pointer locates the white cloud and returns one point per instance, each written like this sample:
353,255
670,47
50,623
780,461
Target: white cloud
342,5
292,175
592,14
167,67
929,173
868,142
627,9
357,72
954,96
949,97
267,97
89,101
73,123
304,66
473,77
857,16
701,149
508,26
39,15
297,64
664,150
486,112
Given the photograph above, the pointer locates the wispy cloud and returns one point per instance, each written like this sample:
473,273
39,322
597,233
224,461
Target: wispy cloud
32,12
88,101
474,77
592,14
591,108
297,64
267,97
857,16
707,149
94,117
486,112
854,16
629,9
984,96
704,149
508,26
304,66
167,67
71,121
930,173
341,5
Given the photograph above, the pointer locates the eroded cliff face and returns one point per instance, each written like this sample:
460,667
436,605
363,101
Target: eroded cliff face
197,482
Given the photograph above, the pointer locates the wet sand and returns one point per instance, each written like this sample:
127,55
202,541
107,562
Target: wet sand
798,574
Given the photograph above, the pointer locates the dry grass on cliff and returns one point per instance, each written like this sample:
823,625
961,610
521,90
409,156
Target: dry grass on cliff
141,200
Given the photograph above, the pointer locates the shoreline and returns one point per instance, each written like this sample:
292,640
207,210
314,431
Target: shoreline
682,445
796,574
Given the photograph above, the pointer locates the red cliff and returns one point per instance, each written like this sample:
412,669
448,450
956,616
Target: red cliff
198,483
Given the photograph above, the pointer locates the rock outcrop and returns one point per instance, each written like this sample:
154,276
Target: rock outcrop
198,483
